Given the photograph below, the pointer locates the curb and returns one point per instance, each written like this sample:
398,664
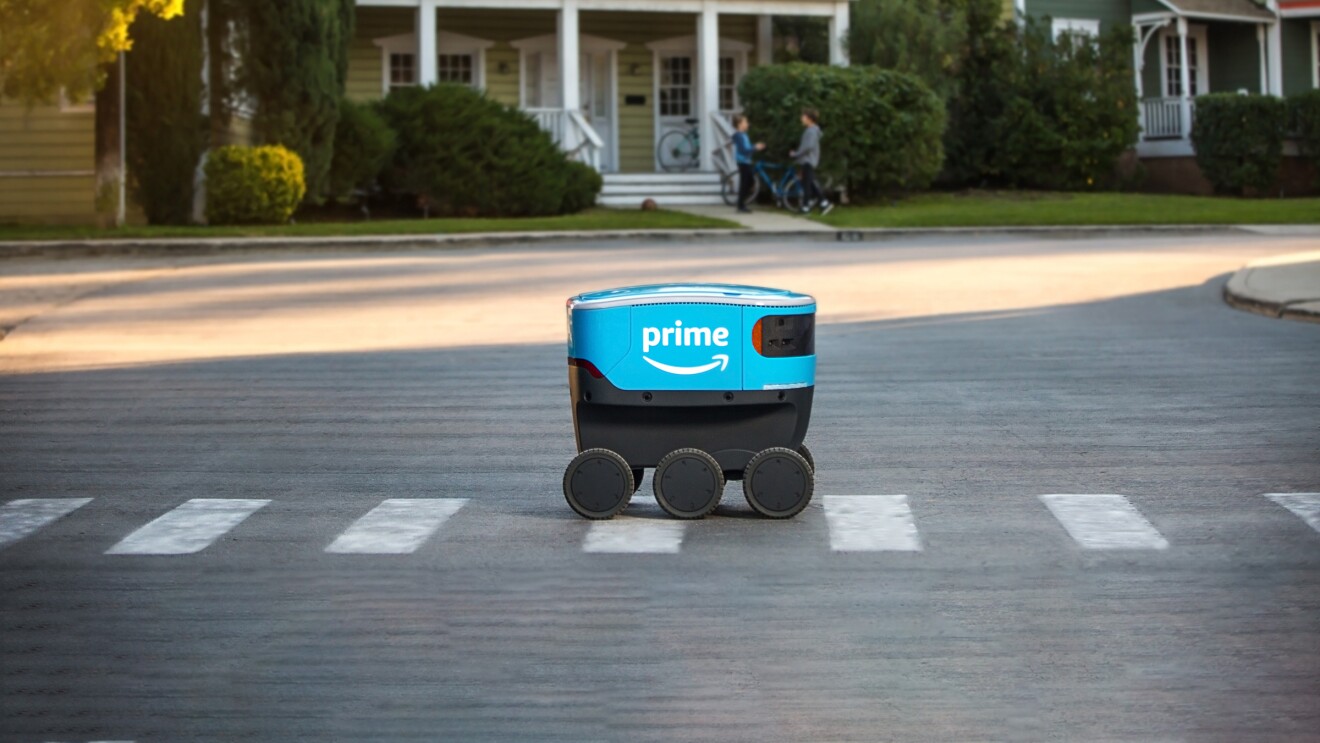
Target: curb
1235,297
216,245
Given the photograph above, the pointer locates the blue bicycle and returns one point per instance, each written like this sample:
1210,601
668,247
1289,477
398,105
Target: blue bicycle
786,190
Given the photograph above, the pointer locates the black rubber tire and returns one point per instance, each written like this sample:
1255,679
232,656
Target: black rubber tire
806,454
793,196
729,189
688,483
598,484
778,483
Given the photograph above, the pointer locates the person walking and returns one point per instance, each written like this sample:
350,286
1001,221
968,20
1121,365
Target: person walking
807,157
743,150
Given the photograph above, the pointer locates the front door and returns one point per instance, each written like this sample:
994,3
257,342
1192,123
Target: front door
541,81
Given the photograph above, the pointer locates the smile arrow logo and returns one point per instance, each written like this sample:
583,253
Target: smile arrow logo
721,360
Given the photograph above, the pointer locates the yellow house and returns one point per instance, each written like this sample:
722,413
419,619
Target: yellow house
47,163
608,79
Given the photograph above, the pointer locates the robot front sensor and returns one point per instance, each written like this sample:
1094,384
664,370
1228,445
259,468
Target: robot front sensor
705,383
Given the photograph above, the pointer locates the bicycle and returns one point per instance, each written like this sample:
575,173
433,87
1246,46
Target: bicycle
680,149
787,191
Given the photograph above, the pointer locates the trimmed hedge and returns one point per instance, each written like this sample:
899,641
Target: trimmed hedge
253,185
1304,121
461,153
580,188
364,143
1239,141
881,130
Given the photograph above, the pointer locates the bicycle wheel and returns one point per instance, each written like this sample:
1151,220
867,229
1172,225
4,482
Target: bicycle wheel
729,189
677,151
792,197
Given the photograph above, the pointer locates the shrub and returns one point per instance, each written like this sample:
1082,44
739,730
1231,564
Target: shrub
881,129
462,153
580,187
1304,122
1239,140
253,185
363,145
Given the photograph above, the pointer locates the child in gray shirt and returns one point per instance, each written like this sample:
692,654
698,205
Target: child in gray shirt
807,157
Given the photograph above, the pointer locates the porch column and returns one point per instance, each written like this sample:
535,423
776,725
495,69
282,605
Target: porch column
427,74
839,35
1264,65
764,40
566,41
708,80
1138,64
1275,53
1184,79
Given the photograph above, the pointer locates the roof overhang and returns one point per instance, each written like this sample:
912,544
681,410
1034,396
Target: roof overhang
1235,11
1299,8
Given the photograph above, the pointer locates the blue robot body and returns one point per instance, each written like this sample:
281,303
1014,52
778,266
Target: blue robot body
727,371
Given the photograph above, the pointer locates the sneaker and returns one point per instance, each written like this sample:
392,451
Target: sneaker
825,208
806,209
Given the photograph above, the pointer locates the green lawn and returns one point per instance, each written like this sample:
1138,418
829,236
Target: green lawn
1019,208
592,219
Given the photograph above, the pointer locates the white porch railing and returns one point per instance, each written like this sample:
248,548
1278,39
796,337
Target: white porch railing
1162,118
571,131
722,154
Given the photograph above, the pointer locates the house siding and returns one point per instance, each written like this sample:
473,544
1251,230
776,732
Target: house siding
1110,13
46,141
1234,57
1298,76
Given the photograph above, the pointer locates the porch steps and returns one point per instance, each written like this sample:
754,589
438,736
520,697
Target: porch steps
629,190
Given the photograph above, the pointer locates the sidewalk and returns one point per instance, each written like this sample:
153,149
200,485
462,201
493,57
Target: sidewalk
762,219
1286,286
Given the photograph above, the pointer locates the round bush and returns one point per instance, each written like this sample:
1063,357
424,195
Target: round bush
460,153
881,130
1239,140
581,186
363,145
253,185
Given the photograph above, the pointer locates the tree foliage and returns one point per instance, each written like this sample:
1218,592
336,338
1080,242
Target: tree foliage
925,38
166,131
294,63
49,46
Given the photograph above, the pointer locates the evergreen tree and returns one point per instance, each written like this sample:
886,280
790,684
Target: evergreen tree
294,64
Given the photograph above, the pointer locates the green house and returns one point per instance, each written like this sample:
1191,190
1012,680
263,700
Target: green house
1187,48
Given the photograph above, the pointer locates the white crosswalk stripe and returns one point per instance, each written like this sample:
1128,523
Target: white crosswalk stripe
191,527
871,523
398,526
1305,505
19,518
1104,521
642,528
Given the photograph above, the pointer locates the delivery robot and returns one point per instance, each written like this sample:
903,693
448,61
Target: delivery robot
705,383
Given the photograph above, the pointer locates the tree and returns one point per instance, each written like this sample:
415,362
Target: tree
925,38
166,130
49,46
293,68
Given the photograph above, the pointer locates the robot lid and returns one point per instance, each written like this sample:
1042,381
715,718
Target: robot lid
736,294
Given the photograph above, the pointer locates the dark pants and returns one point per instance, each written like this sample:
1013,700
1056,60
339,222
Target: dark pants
746,176
811,193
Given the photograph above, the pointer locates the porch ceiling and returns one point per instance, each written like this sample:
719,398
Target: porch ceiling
1233,10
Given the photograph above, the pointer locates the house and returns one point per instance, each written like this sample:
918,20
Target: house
607,78
1270,47
47,162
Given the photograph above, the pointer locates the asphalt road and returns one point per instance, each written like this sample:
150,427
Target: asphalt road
297,393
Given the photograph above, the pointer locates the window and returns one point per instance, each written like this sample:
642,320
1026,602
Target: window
676,86
1076,26
454,68
728,84
403,70
1173,66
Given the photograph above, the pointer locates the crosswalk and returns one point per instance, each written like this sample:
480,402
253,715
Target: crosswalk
401,526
